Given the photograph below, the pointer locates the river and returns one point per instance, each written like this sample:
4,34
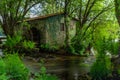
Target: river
65,67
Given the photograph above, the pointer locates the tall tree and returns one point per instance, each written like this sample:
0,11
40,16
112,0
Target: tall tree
87,14
90,11
66,12
14,11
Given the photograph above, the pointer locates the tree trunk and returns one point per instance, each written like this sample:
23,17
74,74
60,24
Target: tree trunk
67,39
8,31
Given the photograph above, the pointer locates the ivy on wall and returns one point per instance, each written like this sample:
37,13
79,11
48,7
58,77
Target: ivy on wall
53,26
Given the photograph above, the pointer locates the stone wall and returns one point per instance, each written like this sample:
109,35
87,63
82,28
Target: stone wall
52,29
40,26
54,35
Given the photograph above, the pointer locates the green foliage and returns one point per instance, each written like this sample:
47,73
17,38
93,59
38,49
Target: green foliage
28,44
102,67
2,70
12,68
15,12
48,47
79,46
2,67
3,77
112,46
17,44
51,28
119,71
52,6
15,69
99,22
71,50
107,44
12,41
46,77
101,46
45,46
43,75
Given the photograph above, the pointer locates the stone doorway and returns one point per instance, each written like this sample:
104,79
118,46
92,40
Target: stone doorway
35,35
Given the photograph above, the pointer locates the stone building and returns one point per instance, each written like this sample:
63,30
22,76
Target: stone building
50,29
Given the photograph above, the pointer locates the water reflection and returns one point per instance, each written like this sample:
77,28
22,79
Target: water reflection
72,69
68,69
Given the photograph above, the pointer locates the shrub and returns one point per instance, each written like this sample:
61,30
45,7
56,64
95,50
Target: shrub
3,77
79,45
48,47
28,44
2,70
2,67
12,68
15,69
45,47
108,44
101,68
17,44
71,50
11,43
113,47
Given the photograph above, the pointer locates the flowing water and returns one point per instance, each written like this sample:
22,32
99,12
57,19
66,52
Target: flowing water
65,67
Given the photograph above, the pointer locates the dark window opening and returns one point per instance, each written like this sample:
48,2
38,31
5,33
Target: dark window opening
62,28
35,35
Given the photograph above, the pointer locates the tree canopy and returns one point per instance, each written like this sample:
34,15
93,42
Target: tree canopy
92,16
12,11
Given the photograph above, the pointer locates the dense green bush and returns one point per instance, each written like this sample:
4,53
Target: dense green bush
102,66
28,44
79,47
2,70
71,50
108,44
11,43
3,77
2,67
48,47
45,47
17,44
15,69
112,46
12,68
